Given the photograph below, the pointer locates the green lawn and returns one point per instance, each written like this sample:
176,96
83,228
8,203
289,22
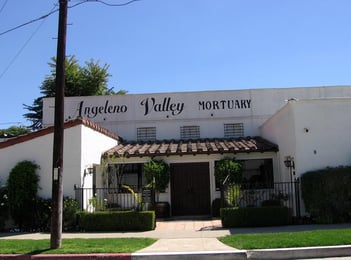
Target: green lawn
130,245
289,239
75,246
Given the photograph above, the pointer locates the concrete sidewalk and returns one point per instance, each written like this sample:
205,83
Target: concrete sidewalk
173,236
197,239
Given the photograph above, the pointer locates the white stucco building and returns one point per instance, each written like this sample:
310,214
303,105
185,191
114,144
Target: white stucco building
265,128
84,142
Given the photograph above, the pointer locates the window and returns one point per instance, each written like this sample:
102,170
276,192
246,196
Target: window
258,174
146,134
125,174
233,130
189,132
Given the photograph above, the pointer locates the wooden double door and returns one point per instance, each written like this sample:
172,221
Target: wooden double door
190,189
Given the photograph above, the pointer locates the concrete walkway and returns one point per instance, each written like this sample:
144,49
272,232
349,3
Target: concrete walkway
188,236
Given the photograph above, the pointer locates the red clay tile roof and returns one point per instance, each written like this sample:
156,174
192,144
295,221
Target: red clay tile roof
201,146
49,130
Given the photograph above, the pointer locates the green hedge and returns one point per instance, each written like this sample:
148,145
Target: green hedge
327,194
255,216
117,221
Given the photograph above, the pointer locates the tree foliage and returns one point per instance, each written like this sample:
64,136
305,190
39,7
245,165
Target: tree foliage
22,186
14,131
228,167
158,171
88,80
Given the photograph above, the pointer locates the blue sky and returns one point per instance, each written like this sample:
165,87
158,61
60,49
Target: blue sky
178,45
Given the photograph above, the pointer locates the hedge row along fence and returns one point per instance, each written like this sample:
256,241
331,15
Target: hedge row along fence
327,194
255,216
117,221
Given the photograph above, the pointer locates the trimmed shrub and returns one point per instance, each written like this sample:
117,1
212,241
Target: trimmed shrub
255,216
4,206
117,221
23,185
216,206
327,194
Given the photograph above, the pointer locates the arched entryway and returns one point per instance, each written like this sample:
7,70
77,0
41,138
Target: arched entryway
190,189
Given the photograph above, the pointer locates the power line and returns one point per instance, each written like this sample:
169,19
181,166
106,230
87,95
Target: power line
109,4
56,10
22,48
32,21
3,6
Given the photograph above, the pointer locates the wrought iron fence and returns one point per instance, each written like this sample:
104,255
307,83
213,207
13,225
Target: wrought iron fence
122,198
232,195
261,194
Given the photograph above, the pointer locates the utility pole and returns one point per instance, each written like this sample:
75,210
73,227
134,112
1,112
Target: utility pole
57,162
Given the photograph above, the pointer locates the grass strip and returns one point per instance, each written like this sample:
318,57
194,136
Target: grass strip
289,239
74,246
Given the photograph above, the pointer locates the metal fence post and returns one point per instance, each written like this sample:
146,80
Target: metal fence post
297,197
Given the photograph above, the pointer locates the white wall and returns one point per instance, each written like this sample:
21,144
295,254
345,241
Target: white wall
77,139
122,114
323,136
93,145
280,129
39,151
315,132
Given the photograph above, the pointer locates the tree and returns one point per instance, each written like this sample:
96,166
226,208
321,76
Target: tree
228,167
14,131
157,174
89,80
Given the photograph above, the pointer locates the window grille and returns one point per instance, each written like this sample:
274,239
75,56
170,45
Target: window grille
233,130
189,132
146,134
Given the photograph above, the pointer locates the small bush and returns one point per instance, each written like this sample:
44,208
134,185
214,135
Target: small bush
327,194
232,195
216,206
255,216
117,221
69,214
4,206
43,214
271,203
70,207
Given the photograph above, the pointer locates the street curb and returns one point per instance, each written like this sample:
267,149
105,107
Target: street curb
203,255
300,252
278,253
67,256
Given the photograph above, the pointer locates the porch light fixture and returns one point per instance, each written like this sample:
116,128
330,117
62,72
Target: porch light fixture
90,170
289,162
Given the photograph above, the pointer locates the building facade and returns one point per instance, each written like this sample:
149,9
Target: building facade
278,134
